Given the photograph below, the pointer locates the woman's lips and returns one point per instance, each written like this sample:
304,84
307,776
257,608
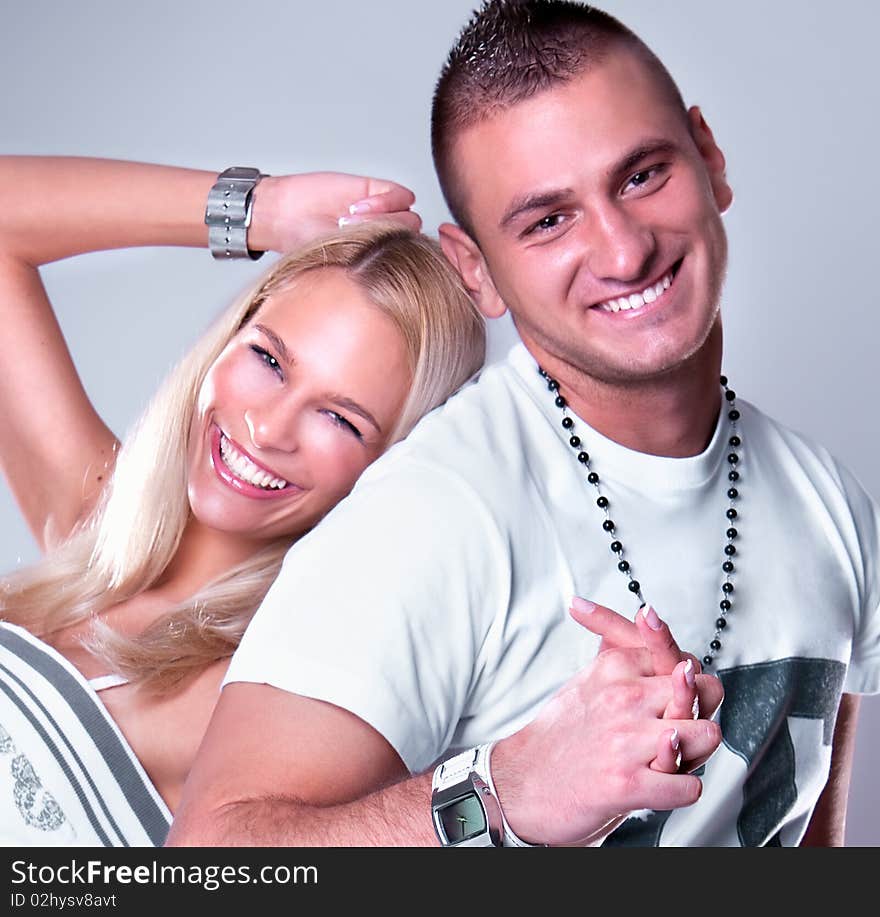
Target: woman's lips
243,475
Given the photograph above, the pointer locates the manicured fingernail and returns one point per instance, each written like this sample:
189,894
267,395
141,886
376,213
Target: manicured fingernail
689,673
695,708
674,740
582,605
360,207
651,618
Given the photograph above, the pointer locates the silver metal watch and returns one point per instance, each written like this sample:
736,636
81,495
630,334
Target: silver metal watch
466,812
228,212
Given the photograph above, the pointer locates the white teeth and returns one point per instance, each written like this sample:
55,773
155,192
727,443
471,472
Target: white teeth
637,300
245,469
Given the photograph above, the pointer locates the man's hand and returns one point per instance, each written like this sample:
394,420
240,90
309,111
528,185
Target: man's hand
589,753
693,694
291,209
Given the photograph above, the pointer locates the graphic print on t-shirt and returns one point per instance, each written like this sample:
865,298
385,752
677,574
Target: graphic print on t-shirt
758,702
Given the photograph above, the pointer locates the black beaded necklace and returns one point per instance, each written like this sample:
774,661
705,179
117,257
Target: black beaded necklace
727,566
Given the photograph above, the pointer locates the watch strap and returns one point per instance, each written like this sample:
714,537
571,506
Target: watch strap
228,213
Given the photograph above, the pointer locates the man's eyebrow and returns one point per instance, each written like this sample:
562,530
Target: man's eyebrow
343,402
541,200
644,151
538,200
279,344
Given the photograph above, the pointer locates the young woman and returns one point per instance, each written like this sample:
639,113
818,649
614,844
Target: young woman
158,550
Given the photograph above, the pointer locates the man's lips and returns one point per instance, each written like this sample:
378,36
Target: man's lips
244,474
636,300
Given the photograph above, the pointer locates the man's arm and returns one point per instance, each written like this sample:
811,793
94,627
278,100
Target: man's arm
827,826
279,769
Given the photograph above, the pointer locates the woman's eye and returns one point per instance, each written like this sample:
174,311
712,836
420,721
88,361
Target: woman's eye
267,358
340,421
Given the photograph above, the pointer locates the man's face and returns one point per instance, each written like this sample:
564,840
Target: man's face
596,206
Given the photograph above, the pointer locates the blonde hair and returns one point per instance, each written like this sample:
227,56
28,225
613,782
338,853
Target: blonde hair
126,543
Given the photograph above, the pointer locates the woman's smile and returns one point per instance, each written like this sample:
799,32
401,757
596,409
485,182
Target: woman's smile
240,471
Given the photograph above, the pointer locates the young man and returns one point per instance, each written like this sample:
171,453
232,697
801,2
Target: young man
602,459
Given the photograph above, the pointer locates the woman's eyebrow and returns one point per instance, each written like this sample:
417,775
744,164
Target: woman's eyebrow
277,342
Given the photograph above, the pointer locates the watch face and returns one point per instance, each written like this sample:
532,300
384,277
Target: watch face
462,819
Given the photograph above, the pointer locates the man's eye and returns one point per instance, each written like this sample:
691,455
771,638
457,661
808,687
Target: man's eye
545,224
267,358
640,179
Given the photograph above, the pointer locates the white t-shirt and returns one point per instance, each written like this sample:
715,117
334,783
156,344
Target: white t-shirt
433,601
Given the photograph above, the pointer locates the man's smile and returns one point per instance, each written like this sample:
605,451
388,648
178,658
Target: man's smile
630,302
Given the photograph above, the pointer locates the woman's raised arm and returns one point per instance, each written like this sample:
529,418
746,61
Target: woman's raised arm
55,451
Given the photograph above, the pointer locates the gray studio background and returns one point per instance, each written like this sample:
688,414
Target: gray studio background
790,89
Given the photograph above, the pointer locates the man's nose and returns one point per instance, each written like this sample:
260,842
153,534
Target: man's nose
272,425
620,245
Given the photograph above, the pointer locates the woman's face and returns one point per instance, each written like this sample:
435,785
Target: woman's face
299,402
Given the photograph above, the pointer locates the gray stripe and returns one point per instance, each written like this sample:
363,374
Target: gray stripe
115,754
59,757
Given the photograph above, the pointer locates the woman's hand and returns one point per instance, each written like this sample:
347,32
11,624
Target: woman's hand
291,209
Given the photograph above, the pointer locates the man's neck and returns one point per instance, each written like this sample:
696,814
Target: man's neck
670,415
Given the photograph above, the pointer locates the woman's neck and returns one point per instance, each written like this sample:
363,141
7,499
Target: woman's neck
204,554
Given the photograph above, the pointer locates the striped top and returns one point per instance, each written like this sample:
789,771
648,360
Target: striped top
68,777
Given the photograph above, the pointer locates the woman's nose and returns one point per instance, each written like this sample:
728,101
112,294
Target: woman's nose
272,425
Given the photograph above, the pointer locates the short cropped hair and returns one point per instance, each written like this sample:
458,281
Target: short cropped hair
511,50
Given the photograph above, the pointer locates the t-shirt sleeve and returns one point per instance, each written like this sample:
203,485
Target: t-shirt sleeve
382,609
863,674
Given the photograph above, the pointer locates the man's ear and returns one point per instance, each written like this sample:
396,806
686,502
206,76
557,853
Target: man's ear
712,157
465,256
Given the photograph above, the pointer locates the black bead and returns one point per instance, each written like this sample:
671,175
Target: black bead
715,645
608,525
553,385
707,660
721,623
574,441
583,457
560,401
623,566
593,478
733,458
616,546
730,394
727,566
567,422
634,585
725,605
732,475
602,502
542,372
732,533
727,588
731,513
735,441
732,494
724,380
729,550
733,415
